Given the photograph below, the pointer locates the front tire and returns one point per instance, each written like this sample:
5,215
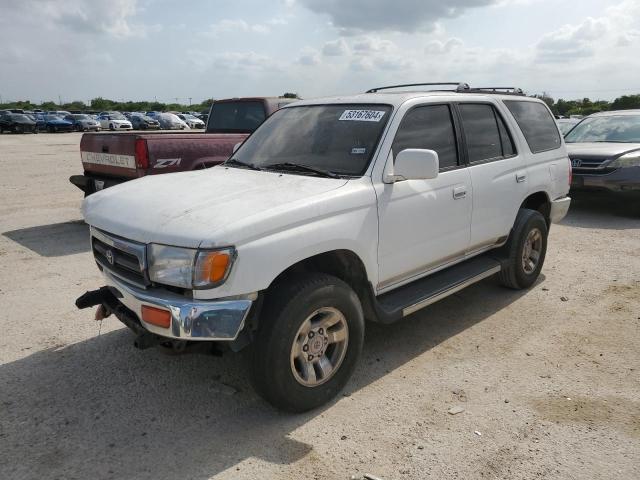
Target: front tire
526,250
308,343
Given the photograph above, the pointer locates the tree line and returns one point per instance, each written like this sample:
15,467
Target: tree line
562,107
100,104
586,106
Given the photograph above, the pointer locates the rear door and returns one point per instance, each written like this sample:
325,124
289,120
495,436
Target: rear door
498,172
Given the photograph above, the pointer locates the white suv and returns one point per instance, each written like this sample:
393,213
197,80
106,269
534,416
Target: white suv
334,211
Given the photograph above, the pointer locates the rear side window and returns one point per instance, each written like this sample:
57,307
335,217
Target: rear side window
486,135
235,117
429,127
537,125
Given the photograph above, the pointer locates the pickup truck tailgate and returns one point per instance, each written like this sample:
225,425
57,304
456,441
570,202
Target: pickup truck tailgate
110,154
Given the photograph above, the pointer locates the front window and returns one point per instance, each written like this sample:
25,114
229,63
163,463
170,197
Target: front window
117,116
331,138
610,128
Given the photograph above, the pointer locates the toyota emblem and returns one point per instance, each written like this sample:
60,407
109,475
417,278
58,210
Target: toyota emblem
576,162
109,255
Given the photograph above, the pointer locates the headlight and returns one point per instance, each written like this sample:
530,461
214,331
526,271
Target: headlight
189,268
628,160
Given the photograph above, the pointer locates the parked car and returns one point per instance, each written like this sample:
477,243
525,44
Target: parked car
332,211
605,151
82,122
191,120
566,124
170,121
140,121
17,123
114,121
53,123
108,160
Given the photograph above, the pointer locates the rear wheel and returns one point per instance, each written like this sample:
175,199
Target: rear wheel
526,250
111,127
308,342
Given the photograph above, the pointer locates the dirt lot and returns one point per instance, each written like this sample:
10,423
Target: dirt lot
548,378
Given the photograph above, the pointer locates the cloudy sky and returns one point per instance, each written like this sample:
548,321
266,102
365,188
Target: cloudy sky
164,49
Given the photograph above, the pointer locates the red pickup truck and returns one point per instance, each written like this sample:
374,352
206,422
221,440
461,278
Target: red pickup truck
112,158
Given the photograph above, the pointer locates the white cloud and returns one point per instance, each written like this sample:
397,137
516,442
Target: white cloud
336,48
234,26
438,47
369,44
308,57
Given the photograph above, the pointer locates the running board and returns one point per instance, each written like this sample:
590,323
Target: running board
410,298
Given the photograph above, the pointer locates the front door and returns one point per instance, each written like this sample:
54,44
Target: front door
424,223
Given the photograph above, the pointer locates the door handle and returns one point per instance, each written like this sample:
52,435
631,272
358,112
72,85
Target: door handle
521,177
459,192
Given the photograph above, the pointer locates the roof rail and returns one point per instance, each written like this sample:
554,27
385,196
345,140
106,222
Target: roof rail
498,90
460,86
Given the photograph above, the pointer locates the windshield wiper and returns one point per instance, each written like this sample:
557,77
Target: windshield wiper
237,163
302,168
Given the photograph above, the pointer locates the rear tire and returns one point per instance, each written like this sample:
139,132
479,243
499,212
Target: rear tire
319,315
526,250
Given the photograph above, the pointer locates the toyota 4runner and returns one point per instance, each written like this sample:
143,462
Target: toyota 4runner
334,211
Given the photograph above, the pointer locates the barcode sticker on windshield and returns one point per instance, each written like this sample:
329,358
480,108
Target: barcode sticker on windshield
362,115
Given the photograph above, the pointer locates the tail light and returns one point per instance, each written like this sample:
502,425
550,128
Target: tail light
570,172
142,154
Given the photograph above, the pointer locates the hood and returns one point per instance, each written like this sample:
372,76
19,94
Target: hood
120,121
215,207
601,150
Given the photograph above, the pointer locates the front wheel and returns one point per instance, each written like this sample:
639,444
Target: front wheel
526,250
308,342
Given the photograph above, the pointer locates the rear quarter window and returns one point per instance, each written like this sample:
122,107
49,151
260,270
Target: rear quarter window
537,124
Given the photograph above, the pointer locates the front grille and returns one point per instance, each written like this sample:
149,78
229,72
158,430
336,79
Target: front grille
590,165
122,258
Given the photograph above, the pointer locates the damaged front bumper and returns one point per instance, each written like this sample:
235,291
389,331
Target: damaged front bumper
199,320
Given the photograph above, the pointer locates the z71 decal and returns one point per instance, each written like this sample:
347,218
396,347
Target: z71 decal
167,162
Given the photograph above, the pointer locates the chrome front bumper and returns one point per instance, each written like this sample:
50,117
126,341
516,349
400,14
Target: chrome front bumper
559,209
219,320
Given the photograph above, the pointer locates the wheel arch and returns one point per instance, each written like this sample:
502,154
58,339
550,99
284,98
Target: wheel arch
541,202
344,264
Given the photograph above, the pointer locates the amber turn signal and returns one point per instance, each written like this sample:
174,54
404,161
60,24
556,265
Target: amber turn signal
211,267
156,316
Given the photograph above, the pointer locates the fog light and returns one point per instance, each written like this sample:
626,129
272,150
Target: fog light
156,316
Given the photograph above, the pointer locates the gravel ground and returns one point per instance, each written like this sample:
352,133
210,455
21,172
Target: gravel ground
548,378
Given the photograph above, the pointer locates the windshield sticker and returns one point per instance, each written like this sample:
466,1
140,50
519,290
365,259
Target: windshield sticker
362,115
358,151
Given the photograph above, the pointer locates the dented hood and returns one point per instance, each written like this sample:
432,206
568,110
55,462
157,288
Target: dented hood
200,208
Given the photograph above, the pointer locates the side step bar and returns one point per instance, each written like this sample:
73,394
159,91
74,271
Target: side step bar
408,299
453,289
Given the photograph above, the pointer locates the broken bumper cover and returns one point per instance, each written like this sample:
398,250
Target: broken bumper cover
212,320
559,209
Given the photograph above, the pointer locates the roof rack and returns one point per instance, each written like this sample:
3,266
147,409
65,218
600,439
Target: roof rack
461,87
498,90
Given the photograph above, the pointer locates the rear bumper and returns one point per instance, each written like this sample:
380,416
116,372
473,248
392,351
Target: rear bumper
210,320
620,180
87,183
559,209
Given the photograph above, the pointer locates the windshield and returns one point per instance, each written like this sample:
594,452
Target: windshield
117,116
612,128
235,117
81,117
566,126
18,117
332,138
53,117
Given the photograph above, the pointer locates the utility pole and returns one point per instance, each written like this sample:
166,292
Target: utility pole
59,100
189,101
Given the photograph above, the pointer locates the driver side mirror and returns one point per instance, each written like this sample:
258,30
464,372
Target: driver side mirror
236,147
416,164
